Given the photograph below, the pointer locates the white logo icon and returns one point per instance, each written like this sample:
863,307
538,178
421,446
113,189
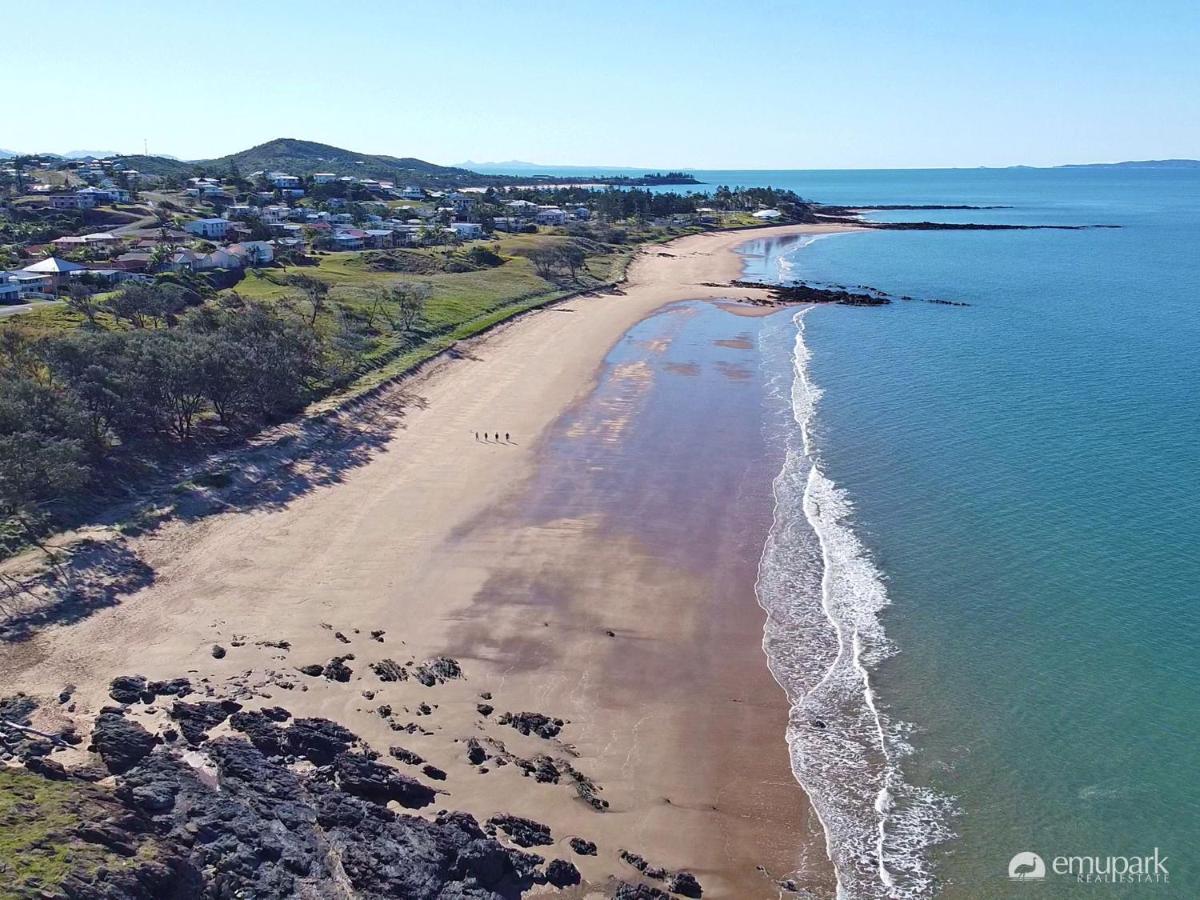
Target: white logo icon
1026,867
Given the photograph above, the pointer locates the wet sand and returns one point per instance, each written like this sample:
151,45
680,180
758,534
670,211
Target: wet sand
612,509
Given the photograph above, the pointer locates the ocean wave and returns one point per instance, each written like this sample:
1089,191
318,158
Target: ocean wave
823,639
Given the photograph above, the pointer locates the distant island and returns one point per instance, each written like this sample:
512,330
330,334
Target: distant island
1138,164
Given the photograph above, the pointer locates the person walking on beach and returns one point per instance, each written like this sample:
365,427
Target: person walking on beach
506,440
477,435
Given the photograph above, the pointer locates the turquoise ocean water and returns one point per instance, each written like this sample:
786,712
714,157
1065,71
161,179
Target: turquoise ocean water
984,575
1006,518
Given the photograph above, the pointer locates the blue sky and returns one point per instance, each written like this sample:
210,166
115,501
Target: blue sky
751,84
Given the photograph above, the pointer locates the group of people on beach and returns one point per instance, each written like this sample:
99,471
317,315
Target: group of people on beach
489,437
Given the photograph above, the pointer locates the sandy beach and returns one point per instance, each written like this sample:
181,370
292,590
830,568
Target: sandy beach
405,523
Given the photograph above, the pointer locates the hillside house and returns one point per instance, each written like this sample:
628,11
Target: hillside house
379,238
253,253
551,215
467,230
212,229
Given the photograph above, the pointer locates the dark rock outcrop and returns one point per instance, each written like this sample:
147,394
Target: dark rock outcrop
583,847
685,883
337,670
627,891
562,873
127,688
319,740
476,755
523,832
363,777
122,744
406,756
533,723
195,719
389,670
437,670
176,687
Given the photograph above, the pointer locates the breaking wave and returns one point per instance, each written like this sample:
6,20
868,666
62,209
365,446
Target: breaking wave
823,640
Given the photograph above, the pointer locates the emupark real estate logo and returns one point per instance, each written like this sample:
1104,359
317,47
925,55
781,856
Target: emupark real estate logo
1148,869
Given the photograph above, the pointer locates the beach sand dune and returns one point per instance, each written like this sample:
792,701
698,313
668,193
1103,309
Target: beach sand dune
673,715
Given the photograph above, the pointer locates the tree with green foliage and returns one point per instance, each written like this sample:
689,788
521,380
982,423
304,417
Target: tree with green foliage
314,290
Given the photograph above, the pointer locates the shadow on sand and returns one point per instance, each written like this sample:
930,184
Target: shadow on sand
274,471
94,577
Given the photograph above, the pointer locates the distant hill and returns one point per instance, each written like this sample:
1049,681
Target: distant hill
84,154
306,157
1139,164
298,157
6,154
166,166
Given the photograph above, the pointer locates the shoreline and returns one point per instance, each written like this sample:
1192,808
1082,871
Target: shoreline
406,543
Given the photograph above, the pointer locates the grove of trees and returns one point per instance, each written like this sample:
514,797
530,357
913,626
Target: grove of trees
82,409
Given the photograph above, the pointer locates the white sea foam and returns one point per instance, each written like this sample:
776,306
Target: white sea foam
823,639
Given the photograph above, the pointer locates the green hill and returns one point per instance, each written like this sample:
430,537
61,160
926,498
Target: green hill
298,157
306,157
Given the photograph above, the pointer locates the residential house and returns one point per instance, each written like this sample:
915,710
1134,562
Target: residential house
324,177
411,192
105,276
467,230
183,259
72,201
283,180
550,215
10,289
241,211
57,269
69,242
379,238
253,253
134,261
213,229
348,239
29,285
217,259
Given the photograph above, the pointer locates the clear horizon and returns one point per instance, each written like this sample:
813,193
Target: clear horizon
674,85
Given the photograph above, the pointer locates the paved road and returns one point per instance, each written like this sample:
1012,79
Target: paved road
6,311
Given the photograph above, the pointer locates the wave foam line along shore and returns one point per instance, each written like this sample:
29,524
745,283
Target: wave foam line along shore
824,639
298,565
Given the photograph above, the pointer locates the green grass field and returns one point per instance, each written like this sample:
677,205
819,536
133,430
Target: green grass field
461,303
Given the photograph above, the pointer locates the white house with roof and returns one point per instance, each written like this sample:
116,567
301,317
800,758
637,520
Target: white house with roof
767,214
54,269
253,253
283,180
467,230
73,201
411,192
324,177
551,215
212,229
